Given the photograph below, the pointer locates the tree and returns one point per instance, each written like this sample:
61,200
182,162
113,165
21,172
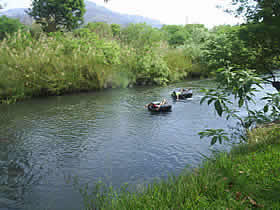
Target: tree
225,48
257,10
56,15
243,84
116,29
101,29
140,35
9,26
261,33
176,35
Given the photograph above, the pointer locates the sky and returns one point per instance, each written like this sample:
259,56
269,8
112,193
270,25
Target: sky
166,11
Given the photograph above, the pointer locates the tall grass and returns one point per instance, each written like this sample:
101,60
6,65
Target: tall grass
53,65
57,63
180,64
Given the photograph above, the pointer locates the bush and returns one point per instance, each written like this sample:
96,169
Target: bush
9,26
54,64
178,63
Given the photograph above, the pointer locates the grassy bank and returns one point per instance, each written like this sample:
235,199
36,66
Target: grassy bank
57,63
248,177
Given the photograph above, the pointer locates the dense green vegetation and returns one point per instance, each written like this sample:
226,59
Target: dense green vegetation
247,177
95,56
100,55
261,31
9,26
258,47
57,15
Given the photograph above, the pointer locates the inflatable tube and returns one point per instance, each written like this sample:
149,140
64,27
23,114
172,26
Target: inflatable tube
156,107
182,95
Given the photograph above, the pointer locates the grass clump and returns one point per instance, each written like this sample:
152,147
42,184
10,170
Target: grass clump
54,64
247,177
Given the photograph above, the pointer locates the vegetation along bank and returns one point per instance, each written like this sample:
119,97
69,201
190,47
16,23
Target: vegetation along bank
96,56
53,57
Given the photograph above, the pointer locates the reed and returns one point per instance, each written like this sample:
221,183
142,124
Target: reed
36,64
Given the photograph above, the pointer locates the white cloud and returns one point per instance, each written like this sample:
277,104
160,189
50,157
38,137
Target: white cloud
168,12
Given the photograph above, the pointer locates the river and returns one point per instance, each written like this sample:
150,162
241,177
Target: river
106,135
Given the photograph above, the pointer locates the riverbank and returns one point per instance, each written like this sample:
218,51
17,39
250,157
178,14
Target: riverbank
247,177
60,63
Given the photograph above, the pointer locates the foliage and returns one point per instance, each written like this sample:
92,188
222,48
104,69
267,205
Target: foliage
101,29
195,45
151,68
140,36
175,35
261,31
258,41
257,10
242,84
216,134
9,26
54,64
116,30
57,15
107,56
36,30
263,40
224,48
178,38
86,59
179,62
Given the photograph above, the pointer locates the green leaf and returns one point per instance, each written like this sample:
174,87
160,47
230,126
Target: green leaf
220,139
218,108
240,102
226,138
265,109
210,101
203,99
201,134
214,140
240,92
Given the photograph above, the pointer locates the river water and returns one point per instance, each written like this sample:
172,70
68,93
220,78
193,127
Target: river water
106,135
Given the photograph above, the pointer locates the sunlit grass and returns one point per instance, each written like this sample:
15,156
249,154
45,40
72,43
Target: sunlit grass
61,63
48,66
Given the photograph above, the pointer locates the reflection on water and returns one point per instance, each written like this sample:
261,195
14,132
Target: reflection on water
105,135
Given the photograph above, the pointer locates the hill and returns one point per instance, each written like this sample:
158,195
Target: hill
94,13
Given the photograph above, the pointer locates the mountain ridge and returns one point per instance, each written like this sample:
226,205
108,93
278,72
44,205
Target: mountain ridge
94,13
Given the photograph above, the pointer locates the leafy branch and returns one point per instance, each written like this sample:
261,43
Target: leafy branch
242,84
216,134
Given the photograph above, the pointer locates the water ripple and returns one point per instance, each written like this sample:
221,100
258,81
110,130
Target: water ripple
106,135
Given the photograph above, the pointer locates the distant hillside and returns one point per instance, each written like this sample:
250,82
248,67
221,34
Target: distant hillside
18,13
94,13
